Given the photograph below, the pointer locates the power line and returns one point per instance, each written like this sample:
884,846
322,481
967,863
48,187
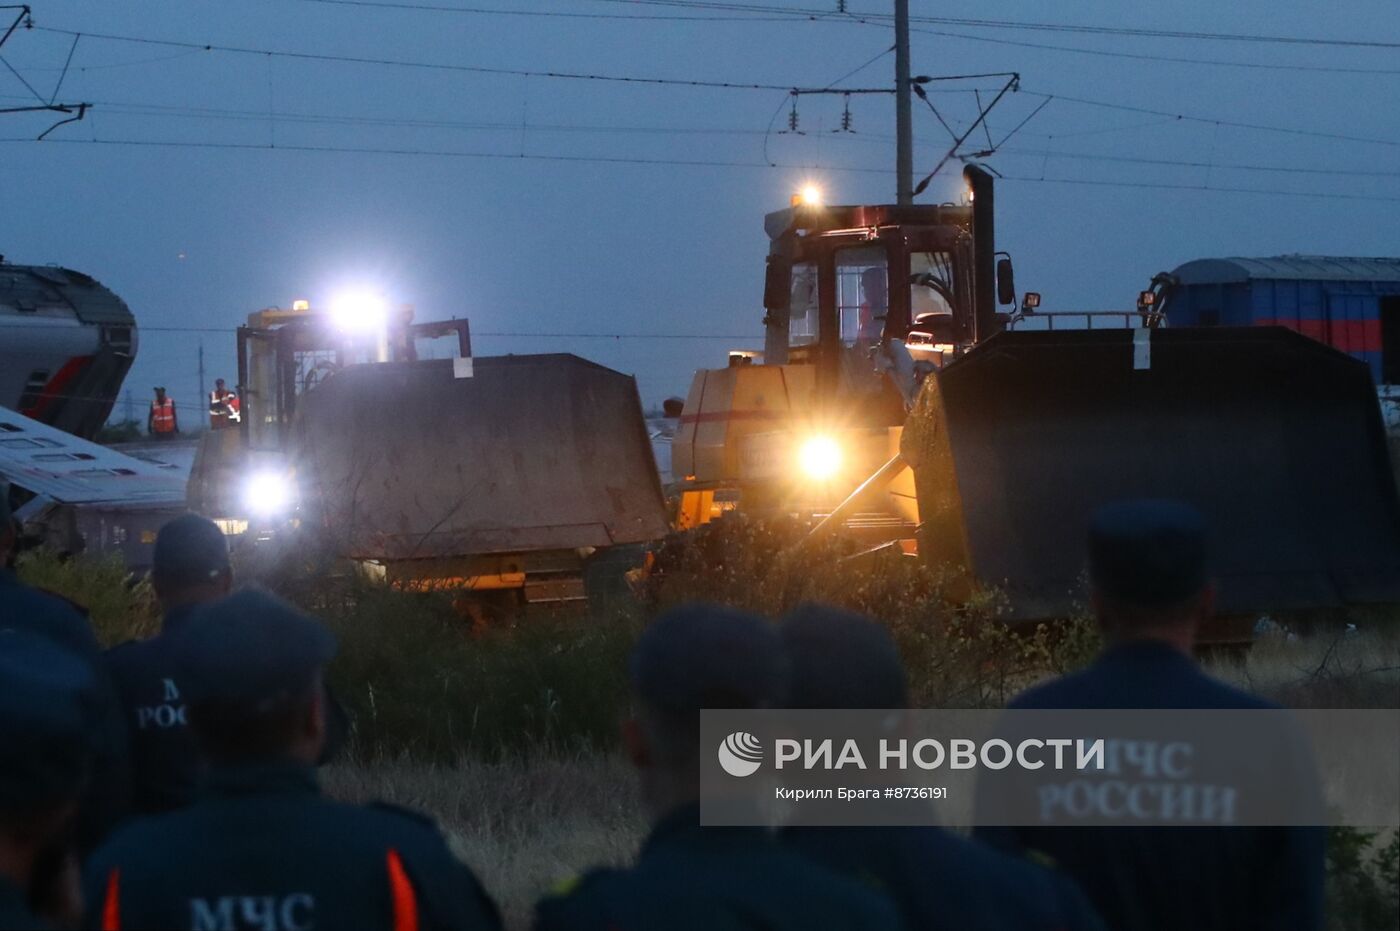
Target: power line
431,66
133,108
555,14
982,23
403,152
1140,56
799,16
443,153
1135,32
1204,188
344,59
1224,166
1259,127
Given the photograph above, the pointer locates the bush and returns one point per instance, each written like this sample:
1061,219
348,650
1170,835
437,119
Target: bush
419,683
959,652
122,608
123,431
1363,880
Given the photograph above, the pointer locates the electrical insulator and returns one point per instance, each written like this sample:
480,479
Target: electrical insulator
792,117
846,116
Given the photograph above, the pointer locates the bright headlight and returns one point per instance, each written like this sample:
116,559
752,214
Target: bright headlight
359,312
820,457
268,494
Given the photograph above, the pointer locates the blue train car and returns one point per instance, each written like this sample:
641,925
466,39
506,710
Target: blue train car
1352,304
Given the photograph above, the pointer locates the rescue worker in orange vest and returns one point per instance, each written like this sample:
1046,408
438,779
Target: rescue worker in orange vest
161,422
223,406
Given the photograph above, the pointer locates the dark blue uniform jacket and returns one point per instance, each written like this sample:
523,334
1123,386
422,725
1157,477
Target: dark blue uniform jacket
260,847
1169,879
689,877
164,753
14,910
940,880
109,791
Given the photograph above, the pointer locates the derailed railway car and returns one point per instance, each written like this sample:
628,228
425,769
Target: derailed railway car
66,344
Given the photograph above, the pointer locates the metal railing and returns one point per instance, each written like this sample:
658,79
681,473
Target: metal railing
1087,320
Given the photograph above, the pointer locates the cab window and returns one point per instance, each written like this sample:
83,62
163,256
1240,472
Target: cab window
931,284
804,323
862,294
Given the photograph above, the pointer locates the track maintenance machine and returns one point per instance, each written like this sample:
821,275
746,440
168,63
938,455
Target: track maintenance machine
493,476
893,401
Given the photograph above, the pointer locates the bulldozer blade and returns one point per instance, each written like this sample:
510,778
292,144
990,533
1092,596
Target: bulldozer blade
440,459
1276,438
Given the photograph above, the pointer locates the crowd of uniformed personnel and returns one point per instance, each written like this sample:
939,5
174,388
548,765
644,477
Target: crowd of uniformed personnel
171,782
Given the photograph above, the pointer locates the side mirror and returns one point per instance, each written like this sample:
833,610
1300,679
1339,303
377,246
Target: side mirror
777,283
1031,301
1006,283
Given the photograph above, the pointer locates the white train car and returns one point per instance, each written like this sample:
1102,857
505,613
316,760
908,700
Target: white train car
66,344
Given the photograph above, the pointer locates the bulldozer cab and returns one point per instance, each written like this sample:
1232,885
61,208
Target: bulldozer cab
862,303
843,281
282,355
851,289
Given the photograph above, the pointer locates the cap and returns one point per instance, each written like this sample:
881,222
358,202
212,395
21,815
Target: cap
841,660
1148,551
189,549
250,650
706,656
45,748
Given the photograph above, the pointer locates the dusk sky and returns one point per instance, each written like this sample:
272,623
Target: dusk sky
184,189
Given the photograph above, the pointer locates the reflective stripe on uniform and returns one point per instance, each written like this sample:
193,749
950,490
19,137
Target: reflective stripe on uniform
111,903
401,892
163,415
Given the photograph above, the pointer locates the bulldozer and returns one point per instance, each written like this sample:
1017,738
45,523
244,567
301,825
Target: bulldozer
495,478
905,397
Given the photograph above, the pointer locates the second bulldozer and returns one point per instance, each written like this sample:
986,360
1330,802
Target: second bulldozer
895,402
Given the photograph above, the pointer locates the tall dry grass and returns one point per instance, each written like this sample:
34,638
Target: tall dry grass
1350,666
508,738
523,824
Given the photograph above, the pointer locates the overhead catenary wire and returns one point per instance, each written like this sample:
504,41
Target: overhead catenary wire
439,153
404,7
422,65
1033,26
671,82
663,162
1166,116
1188,163
1236,124
770,15
1173,59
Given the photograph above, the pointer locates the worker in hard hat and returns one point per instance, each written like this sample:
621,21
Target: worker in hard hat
223,406
161,422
